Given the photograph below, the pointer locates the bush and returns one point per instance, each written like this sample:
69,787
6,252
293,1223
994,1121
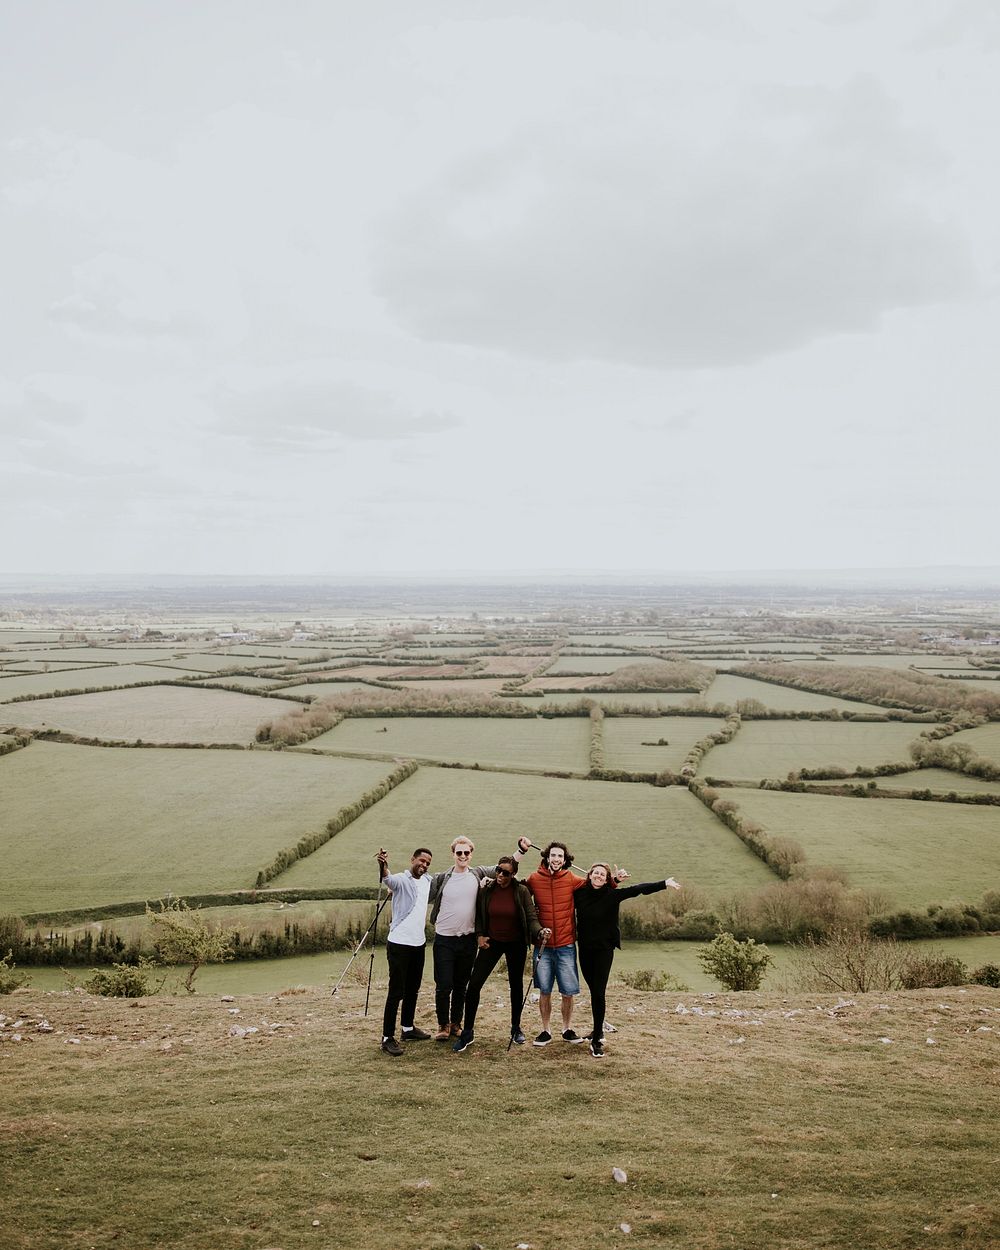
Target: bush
185,937
931,972
121,980
736,965
850,960
988,974
652,980
10,980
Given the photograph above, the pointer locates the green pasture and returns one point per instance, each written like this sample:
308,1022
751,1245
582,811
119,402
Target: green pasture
594,663
653,832
941,781
775,748
984,740
318,689
154,714
487,686
625,738
109,677
216,663
914,853
910,659
46,666
105,654
83,826
728,688
561,744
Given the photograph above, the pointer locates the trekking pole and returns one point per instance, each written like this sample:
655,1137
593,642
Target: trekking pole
371,961
360,945
524,1001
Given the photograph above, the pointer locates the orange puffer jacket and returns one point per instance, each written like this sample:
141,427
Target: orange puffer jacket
553,892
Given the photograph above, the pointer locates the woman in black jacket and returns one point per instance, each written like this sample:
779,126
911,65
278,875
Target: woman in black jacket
506,923
598,935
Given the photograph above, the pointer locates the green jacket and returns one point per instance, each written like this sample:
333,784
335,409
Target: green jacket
530,926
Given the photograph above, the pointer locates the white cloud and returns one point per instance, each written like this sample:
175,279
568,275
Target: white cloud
793,217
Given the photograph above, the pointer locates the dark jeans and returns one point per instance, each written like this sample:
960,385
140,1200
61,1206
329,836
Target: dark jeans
453,957
486,961
406,967
595,964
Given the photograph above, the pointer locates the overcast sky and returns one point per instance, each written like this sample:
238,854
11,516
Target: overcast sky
561,284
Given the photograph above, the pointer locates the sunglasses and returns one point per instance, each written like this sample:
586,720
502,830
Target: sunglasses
504,872
463,854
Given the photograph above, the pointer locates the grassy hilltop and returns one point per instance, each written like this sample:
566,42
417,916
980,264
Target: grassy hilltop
753,1120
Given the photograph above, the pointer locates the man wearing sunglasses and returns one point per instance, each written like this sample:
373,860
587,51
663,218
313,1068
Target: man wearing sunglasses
453,896
506,921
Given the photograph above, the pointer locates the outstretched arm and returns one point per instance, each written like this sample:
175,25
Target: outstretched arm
383,868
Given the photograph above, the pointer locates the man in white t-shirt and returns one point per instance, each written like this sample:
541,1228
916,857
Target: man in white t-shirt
405,946
453,897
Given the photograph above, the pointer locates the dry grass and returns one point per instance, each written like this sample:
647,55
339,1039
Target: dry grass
745,1121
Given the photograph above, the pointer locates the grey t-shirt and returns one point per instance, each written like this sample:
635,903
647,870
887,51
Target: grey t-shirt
457,915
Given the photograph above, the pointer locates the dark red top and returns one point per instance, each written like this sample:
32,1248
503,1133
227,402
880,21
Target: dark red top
504,925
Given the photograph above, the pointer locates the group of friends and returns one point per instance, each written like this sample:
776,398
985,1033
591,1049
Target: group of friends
482,914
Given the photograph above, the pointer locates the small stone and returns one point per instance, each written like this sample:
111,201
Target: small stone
237,1031
736,1041
72,1041
315,1223
931,1041
626,1228
774,1195
422,1184
620,1175
235,1011
228,998
886,1041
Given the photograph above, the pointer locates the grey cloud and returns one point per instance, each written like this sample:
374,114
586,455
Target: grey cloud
105,319
615,239
304,415
34,408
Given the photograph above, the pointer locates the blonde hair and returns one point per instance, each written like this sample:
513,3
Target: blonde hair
463,838
600,864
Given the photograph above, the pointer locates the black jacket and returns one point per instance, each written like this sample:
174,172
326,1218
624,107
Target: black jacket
597,912
530,927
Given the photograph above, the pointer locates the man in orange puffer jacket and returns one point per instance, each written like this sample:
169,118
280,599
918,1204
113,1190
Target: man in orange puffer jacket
553,887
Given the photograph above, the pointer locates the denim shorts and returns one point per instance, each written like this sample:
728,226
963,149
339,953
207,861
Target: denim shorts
557,964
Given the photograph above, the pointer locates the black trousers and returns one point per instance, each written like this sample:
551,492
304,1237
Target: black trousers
486,961
595,964
453,959
406,968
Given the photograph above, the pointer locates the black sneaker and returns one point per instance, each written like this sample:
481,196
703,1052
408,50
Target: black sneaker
391,1047
570,1036
518,1038
597,1048
415,1035
543,1038
465,1040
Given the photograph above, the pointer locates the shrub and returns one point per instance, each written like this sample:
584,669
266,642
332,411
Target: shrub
736,965
121,980
850,960
10,979
652,980
185,937
987,974
932,971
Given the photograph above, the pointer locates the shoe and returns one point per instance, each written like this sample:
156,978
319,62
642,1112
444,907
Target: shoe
443,1033
518,1038
391,1047
597,1048
456,1029
415,1035
570,1036
543,1038
465,1040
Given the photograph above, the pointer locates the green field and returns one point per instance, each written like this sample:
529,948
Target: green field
486,686
318,689
728,688
624,737
595,663
104,655
85,826
774,748
940,780
985,740
215,663
109,677
154,714
246,683
609,698
652,832
557,745
915,853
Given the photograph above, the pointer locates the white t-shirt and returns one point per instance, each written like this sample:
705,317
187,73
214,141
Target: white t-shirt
410,930
457,915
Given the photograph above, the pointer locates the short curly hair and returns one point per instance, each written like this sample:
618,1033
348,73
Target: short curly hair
565,850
